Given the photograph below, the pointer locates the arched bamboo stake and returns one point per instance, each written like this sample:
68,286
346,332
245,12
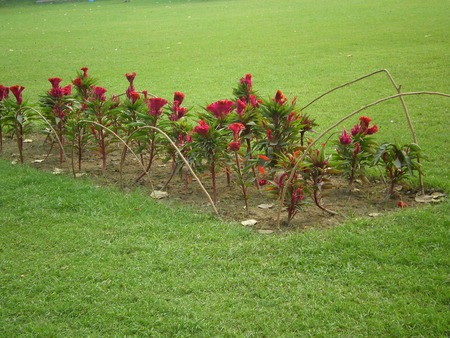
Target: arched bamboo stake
59,142
302,157
397,89
186,162
121,140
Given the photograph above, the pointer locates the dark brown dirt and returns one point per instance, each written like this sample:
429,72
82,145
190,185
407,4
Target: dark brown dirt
362,200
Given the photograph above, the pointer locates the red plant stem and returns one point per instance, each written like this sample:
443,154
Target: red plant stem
20,142
103,151
213,178
241,179
61,141
150,161
249,152
1,139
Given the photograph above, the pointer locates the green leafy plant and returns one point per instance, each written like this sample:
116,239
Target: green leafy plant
399,161
355,151
15,115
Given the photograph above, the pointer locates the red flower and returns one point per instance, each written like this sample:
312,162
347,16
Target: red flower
298,196
178,96
221,108
236,129
280,98
372,130
134,96
55,81
202,128
67,90
85,70
254,101
235,145
4,92
145,93
401,204
78,82
262,181
130,77
240,106
99,93
178,112
247,81
355,130
364,122
155,106
17,92
345,138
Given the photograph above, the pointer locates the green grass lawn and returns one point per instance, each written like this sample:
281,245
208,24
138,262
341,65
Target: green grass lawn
80,261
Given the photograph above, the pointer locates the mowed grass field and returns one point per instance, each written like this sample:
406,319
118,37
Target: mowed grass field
80,261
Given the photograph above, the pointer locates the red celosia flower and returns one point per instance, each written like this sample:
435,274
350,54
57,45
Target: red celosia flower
355,130
85,70
178,96
372,130
155,106
236,129
78,82
298,196
67,90
55,81
17,92
364,122
269,135
254,101
240,106
4,92
280,98
247,80
177,111
345,138
134,96
202,128
130,77
221,108
262,182
235,145
99,93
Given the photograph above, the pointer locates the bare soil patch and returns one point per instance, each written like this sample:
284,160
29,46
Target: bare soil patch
362,200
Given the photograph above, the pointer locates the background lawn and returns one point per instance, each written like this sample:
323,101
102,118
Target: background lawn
81,261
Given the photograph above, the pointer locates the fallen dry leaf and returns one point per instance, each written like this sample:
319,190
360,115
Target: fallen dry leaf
265,206
27,140
37,161
435,197
158,194
57,171
265,232
249,222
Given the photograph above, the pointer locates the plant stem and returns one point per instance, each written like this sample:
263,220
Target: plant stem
242,182
213,178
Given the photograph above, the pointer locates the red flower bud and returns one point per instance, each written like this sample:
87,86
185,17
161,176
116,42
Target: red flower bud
202,128
345,138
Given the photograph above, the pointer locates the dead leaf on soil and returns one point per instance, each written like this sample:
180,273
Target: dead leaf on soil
158,194
77,175
434,197
249,222
57,171
28,140
265,206
374,214
37,161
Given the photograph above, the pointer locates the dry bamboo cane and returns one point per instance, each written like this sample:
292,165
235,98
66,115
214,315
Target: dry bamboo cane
291,176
